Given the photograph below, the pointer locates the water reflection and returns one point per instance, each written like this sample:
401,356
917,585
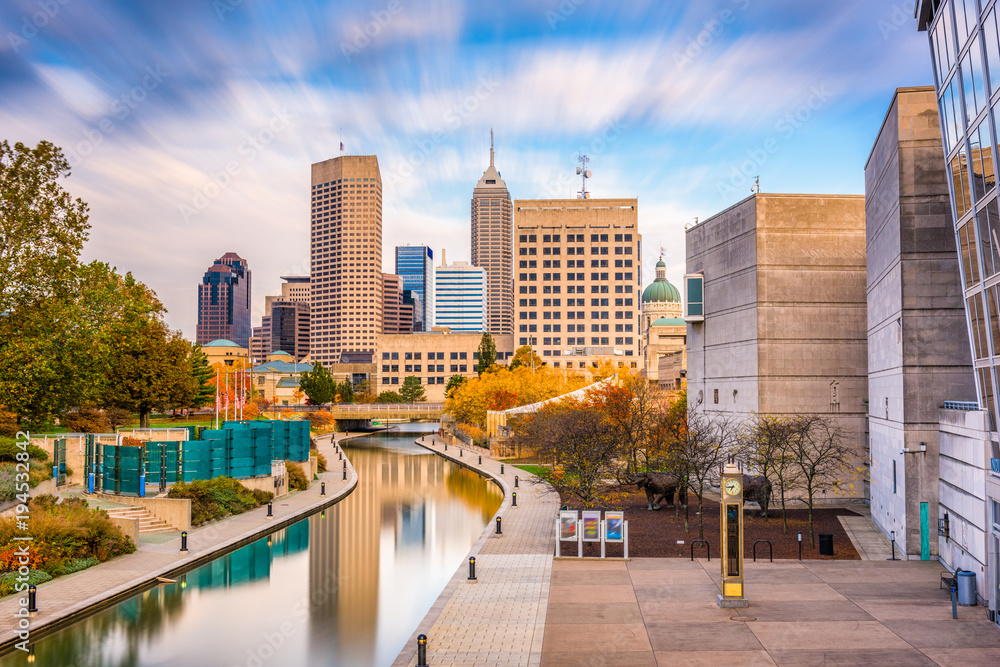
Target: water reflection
344,587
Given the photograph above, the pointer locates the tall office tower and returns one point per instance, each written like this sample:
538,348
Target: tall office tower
224,302
461,296
578,273
415,267
286,328
397,317
346,257
258,351
491,246
965,55
294,289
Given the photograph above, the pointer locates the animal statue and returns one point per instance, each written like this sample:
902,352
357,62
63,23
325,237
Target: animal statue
659,486
757,488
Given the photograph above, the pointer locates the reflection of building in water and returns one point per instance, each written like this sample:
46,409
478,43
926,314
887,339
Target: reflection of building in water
401,497
251,563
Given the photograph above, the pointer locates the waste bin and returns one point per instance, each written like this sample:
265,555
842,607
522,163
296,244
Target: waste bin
826,544
966,583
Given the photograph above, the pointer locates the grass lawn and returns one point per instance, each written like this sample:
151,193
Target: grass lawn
533,469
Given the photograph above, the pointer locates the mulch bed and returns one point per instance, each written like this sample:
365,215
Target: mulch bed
658,534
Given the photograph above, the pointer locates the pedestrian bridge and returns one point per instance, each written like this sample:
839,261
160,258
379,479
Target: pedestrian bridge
387,411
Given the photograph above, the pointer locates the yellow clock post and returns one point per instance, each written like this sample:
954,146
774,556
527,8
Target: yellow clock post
731,527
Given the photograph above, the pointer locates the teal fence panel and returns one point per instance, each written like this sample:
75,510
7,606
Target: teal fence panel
109,468
131,469
196,457
162,459
298,436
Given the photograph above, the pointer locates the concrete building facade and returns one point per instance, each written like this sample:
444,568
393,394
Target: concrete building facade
286,328
224,302
415,268
397,317
917,358
294,289
492,225
346,257
783,331
460,297
663,331
577,280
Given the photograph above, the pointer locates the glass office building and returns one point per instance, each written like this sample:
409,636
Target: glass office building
415,267
461,297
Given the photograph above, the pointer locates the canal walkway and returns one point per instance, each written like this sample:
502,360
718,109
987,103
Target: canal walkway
67,599
498,619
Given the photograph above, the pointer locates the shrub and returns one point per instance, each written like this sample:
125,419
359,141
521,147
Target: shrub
8,422
75,565
9,450
320,463
217,498
8,581
322,419
118,417
296,476
86,420
37,473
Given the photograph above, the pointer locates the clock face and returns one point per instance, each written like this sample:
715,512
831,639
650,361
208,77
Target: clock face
733,487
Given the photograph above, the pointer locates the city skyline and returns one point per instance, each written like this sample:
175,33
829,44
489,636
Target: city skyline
161,100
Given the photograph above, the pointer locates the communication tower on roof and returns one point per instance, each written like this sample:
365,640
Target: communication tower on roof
584,173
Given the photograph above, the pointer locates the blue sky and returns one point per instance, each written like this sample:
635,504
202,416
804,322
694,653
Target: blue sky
677,104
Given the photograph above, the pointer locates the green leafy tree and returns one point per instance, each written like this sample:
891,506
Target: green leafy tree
454,382
42,228
318,384
487,353
344,392
412,391
389,397
526,357
203,376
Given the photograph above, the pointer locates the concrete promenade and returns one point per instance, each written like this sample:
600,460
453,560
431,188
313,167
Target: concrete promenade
69,598
499,619
653,611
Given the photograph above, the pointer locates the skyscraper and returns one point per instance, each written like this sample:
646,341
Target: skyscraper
346,257
286,328
397,317
461,296
415,267
224,302
492,240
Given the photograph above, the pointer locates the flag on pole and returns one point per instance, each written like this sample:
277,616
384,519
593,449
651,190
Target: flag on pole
341,146
227,396
217,391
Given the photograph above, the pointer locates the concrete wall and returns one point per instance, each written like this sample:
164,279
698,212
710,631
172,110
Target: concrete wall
129,527
915,315
964,460
175,511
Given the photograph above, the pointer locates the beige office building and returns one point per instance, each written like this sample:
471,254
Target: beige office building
346,257
491,246
397,317
295,289
577,278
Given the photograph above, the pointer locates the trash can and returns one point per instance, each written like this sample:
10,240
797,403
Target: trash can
826,544
966,584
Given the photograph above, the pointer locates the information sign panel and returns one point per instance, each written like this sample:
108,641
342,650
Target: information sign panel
567,525
591,526
614,523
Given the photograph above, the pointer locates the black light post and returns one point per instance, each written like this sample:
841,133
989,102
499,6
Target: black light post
499,530
501,468
322,488
892,538
32,599
800,545
422,651
515,481
472,568
184,541
513,497
270,512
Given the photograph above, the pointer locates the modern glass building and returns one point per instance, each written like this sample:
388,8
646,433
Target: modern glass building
461,297
224,302
415,267
965,59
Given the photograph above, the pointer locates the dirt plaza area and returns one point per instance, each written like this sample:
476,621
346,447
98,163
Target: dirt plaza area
659,534
663,611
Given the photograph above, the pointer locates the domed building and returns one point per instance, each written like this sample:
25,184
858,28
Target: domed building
663,332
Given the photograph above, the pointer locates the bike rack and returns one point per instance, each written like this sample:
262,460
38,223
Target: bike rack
770,550
708,549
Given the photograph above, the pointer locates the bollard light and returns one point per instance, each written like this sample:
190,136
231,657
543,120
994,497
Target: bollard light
460,452
515,481
472,568
499,530
513,497
184,541
480,459
800,545
270,511
501,468
422,651
32,599
322,488
345,472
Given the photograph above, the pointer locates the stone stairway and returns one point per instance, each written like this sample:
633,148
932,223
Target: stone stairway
148,523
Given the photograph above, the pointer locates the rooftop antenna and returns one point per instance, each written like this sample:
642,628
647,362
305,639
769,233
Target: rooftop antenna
584,174
491,147
755,188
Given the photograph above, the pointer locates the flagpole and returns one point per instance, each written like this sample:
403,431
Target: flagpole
217,380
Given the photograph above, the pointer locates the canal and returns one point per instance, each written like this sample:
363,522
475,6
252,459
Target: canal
342,587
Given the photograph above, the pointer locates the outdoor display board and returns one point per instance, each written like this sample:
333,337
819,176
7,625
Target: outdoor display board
591,525
614,524
567,525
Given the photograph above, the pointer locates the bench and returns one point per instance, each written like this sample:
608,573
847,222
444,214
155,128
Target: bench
950,579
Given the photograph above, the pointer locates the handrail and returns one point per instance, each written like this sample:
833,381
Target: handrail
708,549
770,550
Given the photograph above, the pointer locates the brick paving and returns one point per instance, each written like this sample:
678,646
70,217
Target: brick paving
498,619
663,612
65,599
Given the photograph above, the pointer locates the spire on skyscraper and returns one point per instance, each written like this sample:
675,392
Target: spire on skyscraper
491,147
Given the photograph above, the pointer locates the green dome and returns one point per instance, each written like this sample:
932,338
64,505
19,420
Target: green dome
661,291
669,322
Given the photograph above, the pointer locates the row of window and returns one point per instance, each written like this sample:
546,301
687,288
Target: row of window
574,289
573,264
574,238
429,380
574,315
575,250
531,303
571,328
431,368
619,340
